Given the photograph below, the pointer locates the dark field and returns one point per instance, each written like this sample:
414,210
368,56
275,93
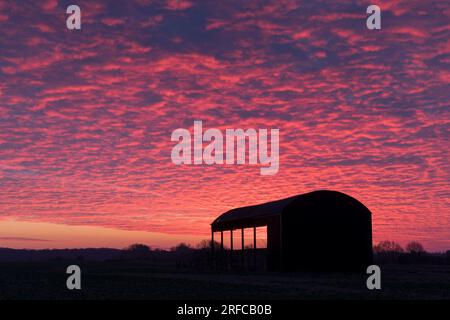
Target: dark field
125,280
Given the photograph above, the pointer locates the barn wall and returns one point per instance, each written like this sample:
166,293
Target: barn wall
274,244
334,238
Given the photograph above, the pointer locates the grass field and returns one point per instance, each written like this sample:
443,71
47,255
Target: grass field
119,280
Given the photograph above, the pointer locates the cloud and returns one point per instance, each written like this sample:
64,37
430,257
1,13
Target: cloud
86,117
178,4
22,239
48,4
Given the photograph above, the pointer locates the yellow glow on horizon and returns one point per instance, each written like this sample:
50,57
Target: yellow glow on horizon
42,235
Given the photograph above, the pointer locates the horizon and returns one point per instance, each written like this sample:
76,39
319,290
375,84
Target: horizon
87,116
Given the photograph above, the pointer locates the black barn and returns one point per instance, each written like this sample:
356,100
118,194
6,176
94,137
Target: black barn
320,230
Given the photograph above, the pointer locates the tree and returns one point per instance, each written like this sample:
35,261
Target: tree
206,244
388,247
138,251
139,247
183,253
414,247
182,247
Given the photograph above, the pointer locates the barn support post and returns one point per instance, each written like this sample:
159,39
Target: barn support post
212,248
254,247
231,248
242,249
221,248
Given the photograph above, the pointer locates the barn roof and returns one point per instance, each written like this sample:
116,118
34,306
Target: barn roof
267,209
272,208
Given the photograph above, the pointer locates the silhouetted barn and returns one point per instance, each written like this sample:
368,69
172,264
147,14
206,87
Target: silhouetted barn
320,230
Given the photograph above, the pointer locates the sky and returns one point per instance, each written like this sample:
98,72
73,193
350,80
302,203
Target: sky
86,116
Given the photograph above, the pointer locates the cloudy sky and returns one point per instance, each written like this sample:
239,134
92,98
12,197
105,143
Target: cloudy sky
86,116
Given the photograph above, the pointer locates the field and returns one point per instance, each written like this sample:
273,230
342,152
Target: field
126,280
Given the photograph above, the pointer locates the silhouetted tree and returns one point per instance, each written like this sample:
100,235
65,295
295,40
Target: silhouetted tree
415,247
206,244
202,256
137,251
183,253
181,247
388,247
139,247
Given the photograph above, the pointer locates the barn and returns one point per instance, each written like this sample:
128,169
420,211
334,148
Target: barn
316,231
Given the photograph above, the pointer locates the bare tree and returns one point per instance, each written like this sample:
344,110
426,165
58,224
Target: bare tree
182,247
137,251
183,253
138,247
206,244
414,247
388,247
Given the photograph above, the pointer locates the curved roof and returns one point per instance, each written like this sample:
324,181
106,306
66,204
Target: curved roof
275,208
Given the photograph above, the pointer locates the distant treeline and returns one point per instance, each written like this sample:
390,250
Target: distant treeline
185,255
414,253
133,252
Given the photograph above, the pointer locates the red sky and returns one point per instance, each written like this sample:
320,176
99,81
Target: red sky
86,116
